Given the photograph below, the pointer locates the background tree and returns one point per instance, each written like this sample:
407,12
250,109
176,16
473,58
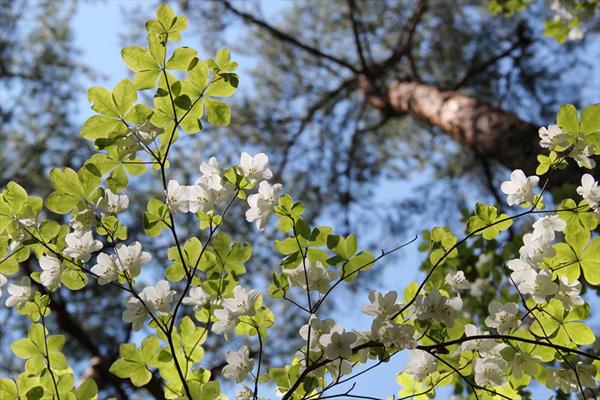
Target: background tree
362,91
326,100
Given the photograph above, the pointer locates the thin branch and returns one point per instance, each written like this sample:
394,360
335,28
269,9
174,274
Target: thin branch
355,31
288,38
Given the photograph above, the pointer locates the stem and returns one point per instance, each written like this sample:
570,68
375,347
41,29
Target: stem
46,354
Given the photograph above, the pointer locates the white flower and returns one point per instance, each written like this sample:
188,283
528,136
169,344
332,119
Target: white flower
106,269
568,293
582,153
159,297
317,328
319,277
561,378
421,364
437,307
128,146
242,302
255,168
81,244
521,271
543,228
338,343
202,198
146,133
20,293
392,334
428,306
382,306
553,137
178,197
524,363
213,178
85,218
131,258
245,394
503,317
520,188
457,280
239,364
112,203
586,374
339,367
540,287
450,310
262,203
52,270
481,345
226,323
478,287
196,297
136,312
589,190
3,281
534,251
489,371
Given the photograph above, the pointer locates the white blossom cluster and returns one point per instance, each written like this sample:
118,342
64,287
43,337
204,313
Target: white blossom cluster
136,139
526,273
209,191
232,309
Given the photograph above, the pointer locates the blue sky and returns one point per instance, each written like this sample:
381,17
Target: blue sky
97,28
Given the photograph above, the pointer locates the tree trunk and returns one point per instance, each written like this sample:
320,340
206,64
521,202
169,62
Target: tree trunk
487,130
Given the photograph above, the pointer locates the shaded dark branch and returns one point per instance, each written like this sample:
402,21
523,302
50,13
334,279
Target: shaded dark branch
482,66
355,30
405,43
287,38
325,99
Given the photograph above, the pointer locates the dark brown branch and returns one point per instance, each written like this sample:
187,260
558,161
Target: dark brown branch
287,38
355,31
405,44
325,99
482,66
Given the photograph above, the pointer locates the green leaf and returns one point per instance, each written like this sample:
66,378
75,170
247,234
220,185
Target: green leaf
360,262
56,342
67,181
580,333
140,376
90,178
590,119
146,79
217,112
567,119
138,114
198,74
74,279
15,196
124,96
223,57
181,58
224,86
98,126
61,203
123,368
118,180
590,262
8,387
135,167
102,101
25,348
88,390
165,16
58,361
139,59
